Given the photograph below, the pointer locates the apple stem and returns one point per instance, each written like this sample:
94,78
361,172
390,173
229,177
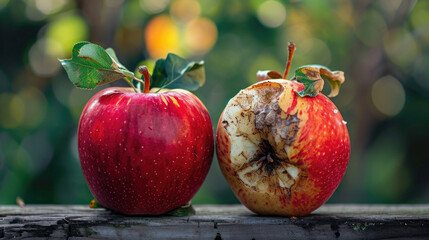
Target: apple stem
291,49
145,73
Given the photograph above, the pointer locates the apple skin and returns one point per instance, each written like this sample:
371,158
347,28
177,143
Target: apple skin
321,151
144,153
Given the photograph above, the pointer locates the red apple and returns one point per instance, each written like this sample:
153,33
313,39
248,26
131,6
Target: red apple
282,153
144,153
144,149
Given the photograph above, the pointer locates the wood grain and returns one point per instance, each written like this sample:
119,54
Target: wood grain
216,222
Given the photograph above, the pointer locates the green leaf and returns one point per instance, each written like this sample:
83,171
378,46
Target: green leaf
121,67
92,66
186,210
117,64
159,74
313,76
176,72
94,204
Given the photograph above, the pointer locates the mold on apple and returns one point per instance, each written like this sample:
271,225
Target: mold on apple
281,144
265,151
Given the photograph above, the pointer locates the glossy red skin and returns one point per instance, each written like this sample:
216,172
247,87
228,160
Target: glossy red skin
144,153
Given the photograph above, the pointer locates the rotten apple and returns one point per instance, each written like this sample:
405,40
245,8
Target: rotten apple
142,152
281,144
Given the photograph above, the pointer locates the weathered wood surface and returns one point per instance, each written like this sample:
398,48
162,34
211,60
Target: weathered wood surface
216,222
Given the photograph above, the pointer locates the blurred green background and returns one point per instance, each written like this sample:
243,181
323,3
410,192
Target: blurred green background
382,46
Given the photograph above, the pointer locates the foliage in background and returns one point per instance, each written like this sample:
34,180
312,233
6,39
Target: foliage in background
382,46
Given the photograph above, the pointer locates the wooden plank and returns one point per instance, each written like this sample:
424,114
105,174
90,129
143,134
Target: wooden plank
216,222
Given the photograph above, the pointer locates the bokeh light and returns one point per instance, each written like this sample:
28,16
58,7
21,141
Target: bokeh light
419,15
42,62
12,111
200,35
161,37
26,109
185,10
388,95
154,6
50,6
401,47
66,30
32,12
38,10
35,105
271,13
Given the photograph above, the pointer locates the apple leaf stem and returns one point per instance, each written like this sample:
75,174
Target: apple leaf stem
291,50
138,80
136,89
